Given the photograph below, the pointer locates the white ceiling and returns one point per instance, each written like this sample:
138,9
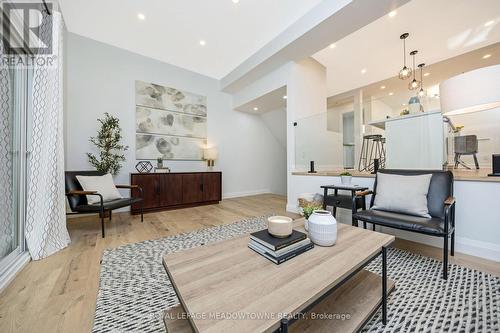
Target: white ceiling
173,29
438,30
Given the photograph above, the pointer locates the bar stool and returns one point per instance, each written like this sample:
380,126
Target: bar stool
377,151
370,142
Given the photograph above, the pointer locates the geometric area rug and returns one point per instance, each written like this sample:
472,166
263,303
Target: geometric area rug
134,289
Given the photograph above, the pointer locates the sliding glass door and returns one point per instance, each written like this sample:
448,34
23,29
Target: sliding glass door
13,110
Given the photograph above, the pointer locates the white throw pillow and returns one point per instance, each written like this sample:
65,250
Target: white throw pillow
403,194
104,185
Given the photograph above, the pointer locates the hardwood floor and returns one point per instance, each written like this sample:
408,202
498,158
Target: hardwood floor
58,294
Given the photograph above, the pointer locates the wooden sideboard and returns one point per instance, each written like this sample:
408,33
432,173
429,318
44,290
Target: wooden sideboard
162,191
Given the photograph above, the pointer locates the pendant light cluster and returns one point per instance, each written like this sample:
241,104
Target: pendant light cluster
406,72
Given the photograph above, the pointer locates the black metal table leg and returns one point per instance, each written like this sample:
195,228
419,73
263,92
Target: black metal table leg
384,285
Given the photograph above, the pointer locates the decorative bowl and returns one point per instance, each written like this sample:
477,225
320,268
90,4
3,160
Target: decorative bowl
280,226
322,228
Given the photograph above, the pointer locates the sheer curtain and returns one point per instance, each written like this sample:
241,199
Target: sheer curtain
6,224
46,230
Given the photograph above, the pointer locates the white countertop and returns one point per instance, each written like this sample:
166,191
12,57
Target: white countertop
381,123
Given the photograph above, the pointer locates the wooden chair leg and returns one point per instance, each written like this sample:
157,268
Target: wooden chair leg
445,258
110,215
364,225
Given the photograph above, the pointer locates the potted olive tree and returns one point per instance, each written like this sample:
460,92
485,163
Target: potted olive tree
108,143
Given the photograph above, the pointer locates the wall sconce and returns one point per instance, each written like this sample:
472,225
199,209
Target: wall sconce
210,155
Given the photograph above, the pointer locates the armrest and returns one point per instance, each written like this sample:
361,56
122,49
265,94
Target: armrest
76,192
127,186
449,201
363,193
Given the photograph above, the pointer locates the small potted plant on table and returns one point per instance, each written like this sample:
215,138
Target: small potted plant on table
159,162
345,178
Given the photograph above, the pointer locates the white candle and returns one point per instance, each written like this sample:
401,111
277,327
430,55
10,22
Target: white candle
280,226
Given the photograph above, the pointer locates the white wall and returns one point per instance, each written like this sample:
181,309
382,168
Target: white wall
275,122
100,78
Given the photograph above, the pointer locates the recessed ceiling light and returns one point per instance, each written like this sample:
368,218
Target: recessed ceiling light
141,16
393,13
404,104
391,93
203,43
285,97
332,46
382,87
363,71
427,74
487,24
486,56
236,1
256,109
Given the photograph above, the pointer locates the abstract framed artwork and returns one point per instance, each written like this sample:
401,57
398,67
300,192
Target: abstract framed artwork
170,123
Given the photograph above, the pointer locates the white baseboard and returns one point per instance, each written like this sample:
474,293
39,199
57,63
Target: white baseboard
245,193
11,273
477,248
292,208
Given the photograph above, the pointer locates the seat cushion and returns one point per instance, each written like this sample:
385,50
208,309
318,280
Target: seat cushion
432,226
109,205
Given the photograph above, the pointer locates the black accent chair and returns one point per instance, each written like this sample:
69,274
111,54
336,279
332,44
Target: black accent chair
77,197
441,205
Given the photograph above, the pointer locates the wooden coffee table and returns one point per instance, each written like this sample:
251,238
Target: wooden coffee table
226,287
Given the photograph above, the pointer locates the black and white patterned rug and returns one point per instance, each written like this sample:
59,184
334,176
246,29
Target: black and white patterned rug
134,289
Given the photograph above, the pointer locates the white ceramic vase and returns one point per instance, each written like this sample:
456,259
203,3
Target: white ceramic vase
322,228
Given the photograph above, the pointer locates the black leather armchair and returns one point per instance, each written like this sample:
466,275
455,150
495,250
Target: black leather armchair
77,197
440,203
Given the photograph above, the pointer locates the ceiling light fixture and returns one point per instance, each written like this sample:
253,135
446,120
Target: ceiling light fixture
332,46
382,87
285,97
203,43
236,1
363,71
487,24
421,92
141,16
427,74
256,109
486,56
414,84
393,13
405,72
391,93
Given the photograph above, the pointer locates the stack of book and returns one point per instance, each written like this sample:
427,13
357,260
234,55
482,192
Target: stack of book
279,250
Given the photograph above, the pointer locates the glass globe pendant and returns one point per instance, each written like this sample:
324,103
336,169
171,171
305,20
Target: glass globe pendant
414,84
405,72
